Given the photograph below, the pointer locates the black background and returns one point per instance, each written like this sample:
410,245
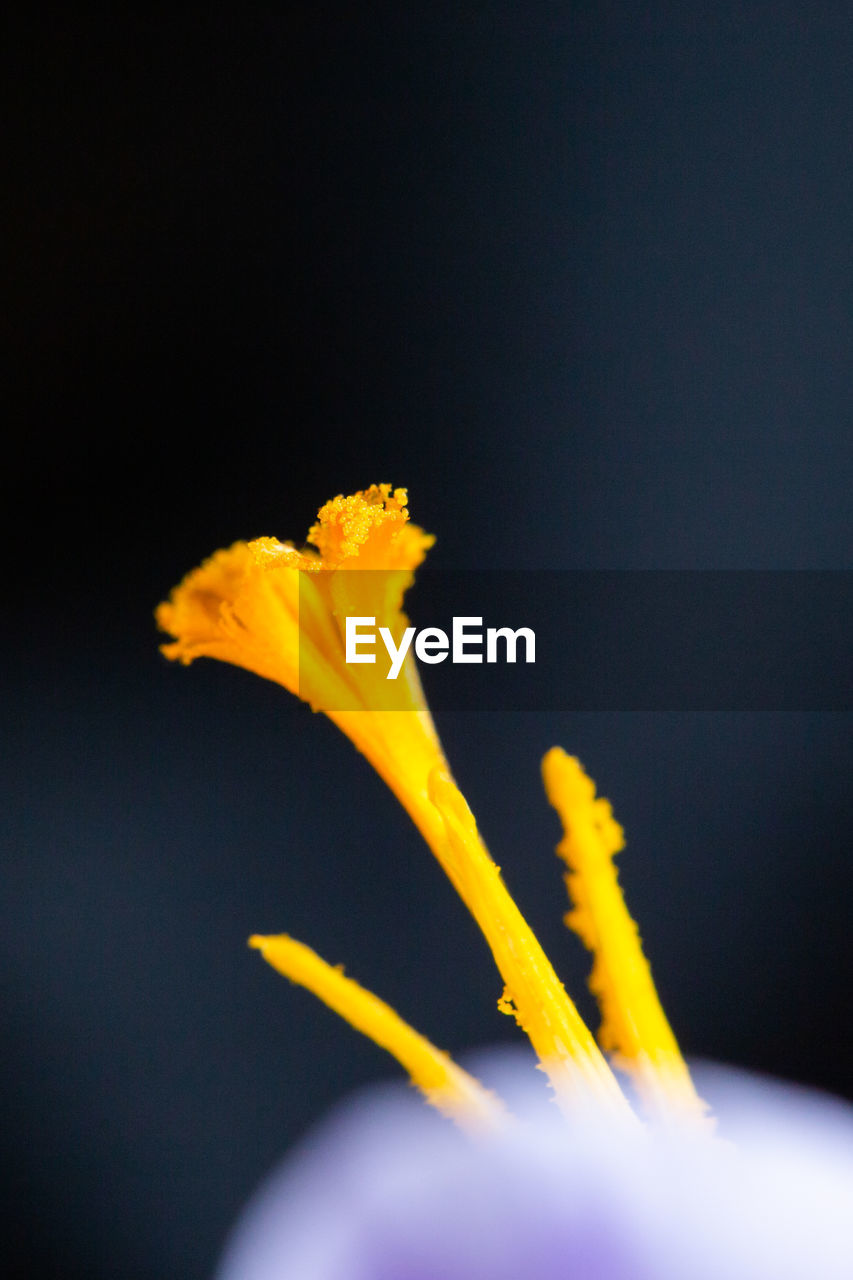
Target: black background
581,277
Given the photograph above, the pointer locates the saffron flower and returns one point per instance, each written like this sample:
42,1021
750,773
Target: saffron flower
617,1185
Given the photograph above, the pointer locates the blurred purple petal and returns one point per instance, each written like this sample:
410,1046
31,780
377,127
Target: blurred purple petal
387,1190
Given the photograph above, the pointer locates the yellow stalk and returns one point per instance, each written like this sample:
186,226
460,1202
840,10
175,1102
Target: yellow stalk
444,1084
634,1027
533,992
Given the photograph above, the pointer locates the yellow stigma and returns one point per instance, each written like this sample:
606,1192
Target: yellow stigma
281,612
634,1027
444,1084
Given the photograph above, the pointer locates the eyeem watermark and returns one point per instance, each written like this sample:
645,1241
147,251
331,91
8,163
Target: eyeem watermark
432,645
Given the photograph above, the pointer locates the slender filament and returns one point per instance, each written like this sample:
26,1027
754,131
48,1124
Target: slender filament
444,1084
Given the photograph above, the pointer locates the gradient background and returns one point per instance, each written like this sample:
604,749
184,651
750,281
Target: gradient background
581,276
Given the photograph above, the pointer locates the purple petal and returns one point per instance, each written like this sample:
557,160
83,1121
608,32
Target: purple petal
386,1190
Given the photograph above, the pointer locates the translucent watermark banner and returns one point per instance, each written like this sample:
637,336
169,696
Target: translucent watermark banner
578,641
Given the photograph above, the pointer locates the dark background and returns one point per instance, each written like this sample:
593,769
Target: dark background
581,277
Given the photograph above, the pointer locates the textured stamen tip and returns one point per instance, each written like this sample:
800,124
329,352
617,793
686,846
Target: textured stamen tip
633,1024
444,1084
